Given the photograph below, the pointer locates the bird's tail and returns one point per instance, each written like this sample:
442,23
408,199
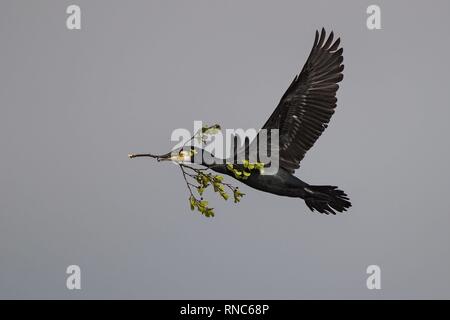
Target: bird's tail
326,199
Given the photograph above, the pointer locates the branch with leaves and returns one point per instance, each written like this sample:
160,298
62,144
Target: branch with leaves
199,179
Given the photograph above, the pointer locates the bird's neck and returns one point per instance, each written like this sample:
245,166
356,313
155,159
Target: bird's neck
208,160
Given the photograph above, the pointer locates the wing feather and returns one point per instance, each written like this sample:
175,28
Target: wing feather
306,107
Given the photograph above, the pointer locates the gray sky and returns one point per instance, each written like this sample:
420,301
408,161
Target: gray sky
73,104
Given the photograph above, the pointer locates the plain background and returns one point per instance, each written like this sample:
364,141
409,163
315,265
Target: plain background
73,104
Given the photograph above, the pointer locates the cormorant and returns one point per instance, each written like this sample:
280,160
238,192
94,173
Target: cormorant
301,116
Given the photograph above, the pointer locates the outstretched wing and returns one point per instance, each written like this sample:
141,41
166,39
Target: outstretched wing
308,104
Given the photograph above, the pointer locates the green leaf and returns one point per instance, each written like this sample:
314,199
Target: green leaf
237,195
209,212
192,202
259,165
224,195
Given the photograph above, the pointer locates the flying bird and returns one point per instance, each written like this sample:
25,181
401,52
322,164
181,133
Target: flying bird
301,116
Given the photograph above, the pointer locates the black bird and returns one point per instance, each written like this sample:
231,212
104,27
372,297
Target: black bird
301,116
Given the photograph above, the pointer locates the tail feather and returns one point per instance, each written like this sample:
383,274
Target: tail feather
326,199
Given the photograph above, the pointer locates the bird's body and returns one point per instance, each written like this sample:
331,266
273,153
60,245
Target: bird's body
283,183
324,199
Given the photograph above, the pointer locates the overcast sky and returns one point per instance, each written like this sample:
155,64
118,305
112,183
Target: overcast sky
74,103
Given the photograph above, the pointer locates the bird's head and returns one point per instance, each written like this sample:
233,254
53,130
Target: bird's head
193,155
181,156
